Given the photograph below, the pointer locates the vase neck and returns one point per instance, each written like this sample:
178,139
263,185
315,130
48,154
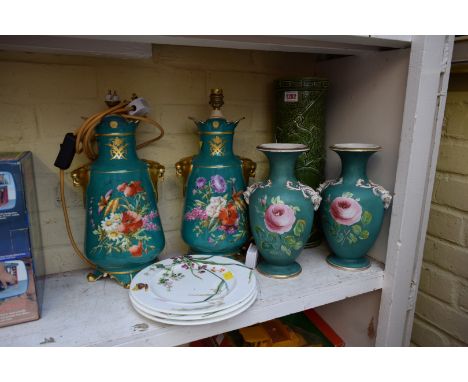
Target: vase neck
354,165
282,165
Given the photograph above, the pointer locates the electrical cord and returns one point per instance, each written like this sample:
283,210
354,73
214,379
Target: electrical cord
85,134
85,138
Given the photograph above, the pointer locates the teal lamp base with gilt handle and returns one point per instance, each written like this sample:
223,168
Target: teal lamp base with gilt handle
123,231
215,218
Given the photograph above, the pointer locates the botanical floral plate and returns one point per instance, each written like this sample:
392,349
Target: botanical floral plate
192,284
190,317
202,321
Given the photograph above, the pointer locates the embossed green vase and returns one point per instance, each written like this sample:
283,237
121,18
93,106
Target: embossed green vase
281,211
352,208
300,118
215,215
123,227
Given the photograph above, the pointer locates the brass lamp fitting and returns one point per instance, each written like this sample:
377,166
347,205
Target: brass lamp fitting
216,99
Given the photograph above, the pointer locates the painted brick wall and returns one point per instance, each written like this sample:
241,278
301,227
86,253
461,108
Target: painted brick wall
442,306
44,96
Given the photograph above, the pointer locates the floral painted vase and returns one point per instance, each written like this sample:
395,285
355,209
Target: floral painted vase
215,214
353,208
281,211
123,227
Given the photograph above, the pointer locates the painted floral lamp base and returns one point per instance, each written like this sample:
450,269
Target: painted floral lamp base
123,227
215,218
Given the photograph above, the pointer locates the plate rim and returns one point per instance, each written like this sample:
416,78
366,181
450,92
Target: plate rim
187,317
197,322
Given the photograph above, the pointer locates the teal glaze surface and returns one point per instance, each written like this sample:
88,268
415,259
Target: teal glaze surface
123,227
281,212
352,211
215,214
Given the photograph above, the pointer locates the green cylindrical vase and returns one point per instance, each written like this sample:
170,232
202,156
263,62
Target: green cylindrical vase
300,118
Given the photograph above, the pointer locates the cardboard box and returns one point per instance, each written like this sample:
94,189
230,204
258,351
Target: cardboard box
20,241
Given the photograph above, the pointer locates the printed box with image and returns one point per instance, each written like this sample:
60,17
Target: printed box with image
20,240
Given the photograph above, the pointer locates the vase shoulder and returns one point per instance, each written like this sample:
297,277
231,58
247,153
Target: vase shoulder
289,186
360,186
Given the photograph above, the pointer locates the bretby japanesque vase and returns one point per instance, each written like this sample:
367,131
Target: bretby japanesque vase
300,118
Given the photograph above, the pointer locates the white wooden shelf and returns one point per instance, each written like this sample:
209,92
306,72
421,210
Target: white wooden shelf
341,45
141,46
78,313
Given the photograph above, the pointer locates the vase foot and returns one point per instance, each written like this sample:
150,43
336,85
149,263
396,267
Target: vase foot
279,271
122,278
94,276
348,264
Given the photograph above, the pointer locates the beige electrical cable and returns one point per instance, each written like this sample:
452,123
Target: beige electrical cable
84,143
85,134
67,221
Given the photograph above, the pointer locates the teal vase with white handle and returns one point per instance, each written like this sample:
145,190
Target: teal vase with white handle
281,211
353,208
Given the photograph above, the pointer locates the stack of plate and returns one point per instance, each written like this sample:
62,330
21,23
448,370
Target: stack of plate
193,290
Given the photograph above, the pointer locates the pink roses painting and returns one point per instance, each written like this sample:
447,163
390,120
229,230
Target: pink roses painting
346,211
284,231
279,218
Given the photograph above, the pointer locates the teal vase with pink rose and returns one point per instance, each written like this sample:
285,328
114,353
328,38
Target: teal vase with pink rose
281,211
352,208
